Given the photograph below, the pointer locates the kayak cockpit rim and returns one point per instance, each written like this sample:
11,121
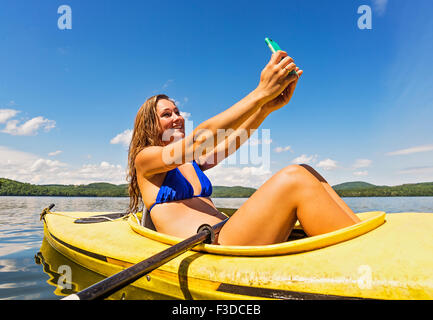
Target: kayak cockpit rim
369,221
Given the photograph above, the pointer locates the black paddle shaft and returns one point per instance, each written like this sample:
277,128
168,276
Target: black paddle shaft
121,279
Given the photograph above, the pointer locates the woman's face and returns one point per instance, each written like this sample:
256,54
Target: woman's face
172,123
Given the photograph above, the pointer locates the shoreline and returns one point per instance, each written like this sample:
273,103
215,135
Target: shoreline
127,197
356,189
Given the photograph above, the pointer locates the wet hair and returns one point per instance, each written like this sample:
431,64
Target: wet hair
146,133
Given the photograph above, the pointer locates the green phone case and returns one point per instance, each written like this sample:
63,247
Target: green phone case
272,45
274,48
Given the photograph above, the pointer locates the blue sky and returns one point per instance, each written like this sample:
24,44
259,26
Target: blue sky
363,109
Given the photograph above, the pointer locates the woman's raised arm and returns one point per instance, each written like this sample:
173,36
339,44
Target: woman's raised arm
231,140
273,81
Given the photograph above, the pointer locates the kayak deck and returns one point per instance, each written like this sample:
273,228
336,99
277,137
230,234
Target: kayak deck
391,261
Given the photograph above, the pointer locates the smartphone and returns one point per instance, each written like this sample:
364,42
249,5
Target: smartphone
274,48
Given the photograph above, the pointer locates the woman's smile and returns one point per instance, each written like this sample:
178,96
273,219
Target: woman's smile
171,121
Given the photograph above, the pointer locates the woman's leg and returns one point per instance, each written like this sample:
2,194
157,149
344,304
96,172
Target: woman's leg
329,189
269,215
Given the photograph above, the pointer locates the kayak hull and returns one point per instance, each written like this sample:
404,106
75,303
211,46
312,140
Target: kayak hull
171,285
381,258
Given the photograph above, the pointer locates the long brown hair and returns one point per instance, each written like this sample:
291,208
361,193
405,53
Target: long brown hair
145,133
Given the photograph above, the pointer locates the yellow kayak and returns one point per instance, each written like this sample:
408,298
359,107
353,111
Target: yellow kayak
385,256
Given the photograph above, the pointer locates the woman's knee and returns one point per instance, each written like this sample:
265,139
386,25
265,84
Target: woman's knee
313,172
295,175
303,170
295,169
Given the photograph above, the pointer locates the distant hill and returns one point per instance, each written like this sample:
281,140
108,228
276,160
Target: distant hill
14,188
101,189
364,189
353,185
348,189
232,192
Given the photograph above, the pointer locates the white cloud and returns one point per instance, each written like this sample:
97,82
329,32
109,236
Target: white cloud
362,163
15,164
360,173
54,153
28,167
380,6
417,149
327,164
282,149
304,159
88,173
29,127
46,165
6,114
185,115
247,176
123,138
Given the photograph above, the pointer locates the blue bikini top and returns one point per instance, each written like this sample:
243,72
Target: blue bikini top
176,187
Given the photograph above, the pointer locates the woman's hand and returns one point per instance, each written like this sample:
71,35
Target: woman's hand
276,86
284,98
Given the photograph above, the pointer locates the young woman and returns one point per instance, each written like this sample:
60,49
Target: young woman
166,170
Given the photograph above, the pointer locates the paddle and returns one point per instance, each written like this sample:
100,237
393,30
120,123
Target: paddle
119,280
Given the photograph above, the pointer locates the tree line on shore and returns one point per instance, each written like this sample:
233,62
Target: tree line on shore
14,188
423,189
349,189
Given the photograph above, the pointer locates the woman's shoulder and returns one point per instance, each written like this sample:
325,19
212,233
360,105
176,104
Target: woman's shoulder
147,153
150,161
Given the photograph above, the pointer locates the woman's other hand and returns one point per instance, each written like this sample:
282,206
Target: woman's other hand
284,97
276,86
273,79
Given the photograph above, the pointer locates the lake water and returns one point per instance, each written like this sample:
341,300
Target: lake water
21,234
